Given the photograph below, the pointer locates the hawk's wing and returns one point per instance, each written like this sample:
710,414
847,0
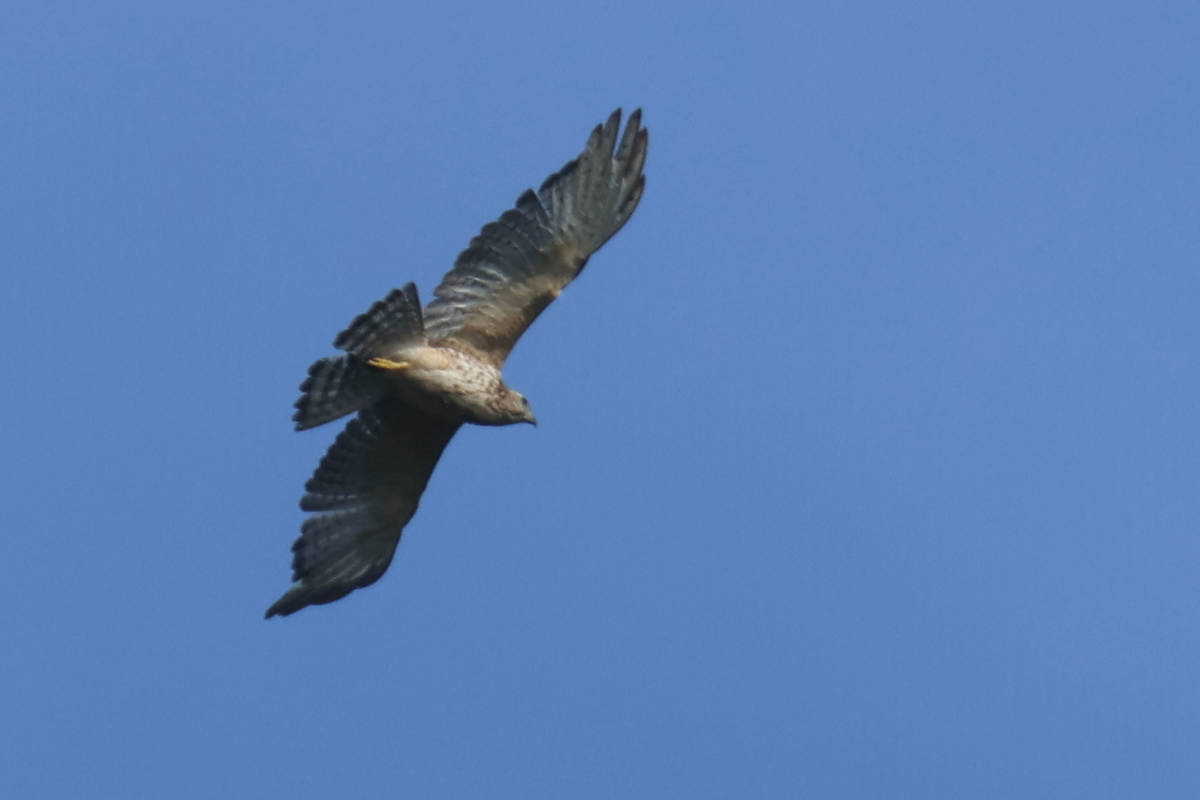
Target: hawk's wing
518,264
364,491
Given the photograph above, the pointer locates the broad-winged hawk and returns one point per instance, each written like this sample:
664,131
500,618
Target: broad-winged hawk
415,376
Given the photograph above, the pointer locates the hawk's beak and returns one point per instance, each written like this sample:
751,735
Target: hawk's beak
531,419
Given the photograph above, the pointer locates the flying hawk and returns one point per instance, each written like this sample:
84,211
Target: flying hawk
414,375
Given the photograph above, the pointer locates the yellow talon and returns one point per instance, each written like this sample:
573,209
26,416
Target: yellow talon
387,363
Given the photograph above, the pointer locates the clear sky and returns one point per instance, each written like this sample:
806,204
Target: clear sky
869,455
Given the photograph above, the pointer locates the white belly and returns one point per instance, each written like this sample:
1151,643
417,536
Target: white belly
448,383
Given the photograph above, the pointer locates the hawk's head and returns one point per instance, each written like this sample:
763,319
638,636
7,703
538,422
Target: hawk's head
512,407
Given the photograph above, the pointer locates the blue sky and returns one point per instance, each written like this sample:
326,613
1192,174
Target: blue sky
869,453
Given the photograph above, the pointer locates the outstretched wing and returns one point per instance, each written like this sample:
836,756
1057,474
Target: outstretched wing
518,264
364,492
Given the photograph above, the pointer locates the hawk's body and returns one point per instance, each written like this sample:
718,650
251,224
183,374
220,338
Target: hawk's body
415,376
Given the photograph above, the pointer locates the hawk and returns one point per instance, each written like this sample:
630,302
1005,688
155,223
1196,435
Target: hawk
415,375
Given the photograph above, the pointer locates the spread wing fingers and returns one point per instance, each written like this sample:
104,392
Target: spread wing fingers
518,264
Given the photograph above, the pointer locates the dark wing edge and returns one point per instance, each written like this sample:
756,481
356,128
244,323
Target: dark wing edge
518,264
364,491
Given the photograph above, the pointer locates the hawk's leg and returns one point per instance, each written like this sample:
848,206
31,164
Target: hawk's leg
387,363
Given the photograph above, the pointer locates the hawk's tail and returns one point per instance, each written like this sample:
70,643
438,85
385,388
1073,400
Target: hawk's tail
334,388
389,325
339,386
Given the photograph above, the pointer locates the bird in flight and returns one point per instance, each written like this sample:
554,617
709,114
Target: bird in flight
414,375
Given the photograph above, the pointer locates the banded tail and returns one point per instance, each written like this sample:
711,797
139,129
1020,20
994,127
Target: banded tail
391,324
342,385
